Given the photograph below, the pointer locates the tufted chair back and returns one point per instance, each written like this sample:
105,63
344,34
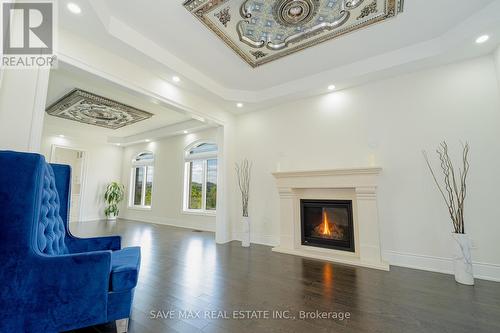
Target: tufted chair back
50,230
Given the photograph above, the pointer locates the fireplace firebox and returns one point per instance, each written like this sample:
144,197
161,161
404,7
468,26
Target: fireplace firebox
327,224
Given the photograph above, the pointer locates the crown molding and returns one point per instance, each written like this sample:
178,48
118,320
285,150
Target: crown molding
326,173
160,133
345,76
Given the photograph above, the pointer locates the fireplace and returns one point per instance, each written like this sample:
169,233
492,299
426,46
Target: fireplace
327,224
359,185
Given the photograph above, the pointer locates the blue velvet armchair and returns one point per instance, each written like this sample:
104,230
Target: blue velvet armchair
51,281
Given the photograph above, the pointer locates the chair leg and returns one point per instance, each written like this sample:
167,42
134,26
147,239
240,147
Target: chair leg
122,326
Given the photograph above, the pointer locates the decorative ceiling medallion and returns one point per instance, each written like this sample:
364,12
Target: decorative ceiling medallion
224,16
290,13
261,31
91,109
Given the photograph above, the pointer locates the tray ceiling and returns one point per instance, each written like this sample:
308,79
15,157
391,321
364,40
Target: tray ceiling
88,108
261,31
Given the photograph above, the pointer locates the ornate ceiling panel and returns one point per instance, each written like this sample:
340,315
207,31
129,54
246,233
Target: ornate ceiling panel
261,31
91,109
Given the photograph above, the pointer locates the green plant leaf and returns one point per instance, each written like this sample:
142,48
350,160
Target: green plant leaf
113,195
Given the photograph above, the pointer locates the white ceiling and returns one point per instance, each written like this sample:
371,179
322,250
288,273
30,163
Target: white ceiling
165,122
62,81
163,36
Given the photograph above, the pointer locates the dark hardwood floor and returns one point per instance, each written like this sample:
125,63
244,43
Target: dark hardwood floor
184,270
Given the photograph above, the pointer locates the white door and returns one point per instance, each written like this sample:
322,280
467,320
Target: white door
75,159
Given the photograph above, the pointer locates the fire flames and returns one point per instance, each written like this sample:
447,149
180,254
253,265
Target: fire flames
328,229
325,226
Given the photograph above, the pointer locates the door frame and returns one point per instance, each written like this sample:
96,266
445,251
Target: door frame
83,176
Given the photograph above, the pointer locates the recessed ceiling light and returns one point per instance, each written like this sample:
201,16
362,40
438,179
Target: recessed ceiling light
331,87
482,39
61,136
118,144
176,79
147,140
74,8
239,105
185,132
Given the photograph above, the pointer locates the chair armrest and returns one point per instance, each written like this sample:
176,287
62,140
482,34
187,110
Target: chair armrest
74,286
79,245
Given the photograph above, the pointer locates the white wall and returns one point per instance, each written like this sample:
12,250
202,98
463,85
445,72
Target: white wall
497,61
22,104
388,123
103,161
168,182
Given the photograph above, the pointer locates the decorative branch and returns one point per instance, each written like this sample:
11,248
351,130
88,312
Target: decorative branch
453,190
243,171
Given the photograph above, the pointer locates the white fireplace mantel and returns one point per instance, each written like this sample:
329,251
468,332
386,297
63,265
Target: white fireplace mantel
358,185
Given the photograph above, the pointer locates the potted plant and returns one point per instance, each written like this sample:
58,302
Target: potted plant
113,196
243,171
454,191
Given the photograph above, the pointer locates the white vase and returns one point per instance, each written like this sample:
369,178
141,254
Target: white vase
462,259
245,235
112,218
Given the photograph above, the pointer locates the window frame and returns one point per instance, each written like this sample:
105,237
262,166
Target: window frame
145,165
204,157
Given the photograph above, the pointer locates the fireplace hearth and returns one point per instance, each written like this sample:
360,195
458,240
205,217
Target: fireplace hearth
327,224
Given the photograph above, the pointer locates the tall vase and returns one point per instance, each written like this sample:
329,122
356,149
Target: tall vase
462,259
245,235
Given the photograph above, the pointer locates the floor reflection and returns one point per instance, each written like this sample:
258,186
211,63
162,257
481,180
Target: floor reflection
143,238
328,279
199,270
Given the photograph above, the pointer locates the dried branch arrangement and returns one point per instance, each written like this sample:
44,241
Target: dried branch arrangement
453,190
243,171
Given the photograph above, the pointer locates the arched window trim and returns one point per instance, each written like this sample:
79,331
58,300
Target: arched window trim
136,162
188,159
147,170
199,156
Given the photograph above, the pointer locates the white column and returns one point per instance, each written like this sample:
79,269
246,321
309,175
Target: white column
369,240
497,62
223,217
23,94
287,218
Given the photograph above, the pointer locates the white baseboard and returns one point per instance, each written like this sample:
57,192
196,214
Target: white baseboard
260,239
484,271
174,223
92,219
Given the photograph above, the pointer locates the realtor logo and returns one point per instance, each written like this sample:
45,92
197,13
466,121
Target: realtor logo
28,34
29,28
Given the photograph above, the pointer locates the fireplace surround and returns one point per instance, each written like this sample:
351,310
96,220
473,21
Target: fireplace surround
358,185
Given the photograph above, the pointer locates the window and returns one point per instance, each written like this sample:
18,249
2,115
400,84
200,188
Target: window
200,193
142,180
